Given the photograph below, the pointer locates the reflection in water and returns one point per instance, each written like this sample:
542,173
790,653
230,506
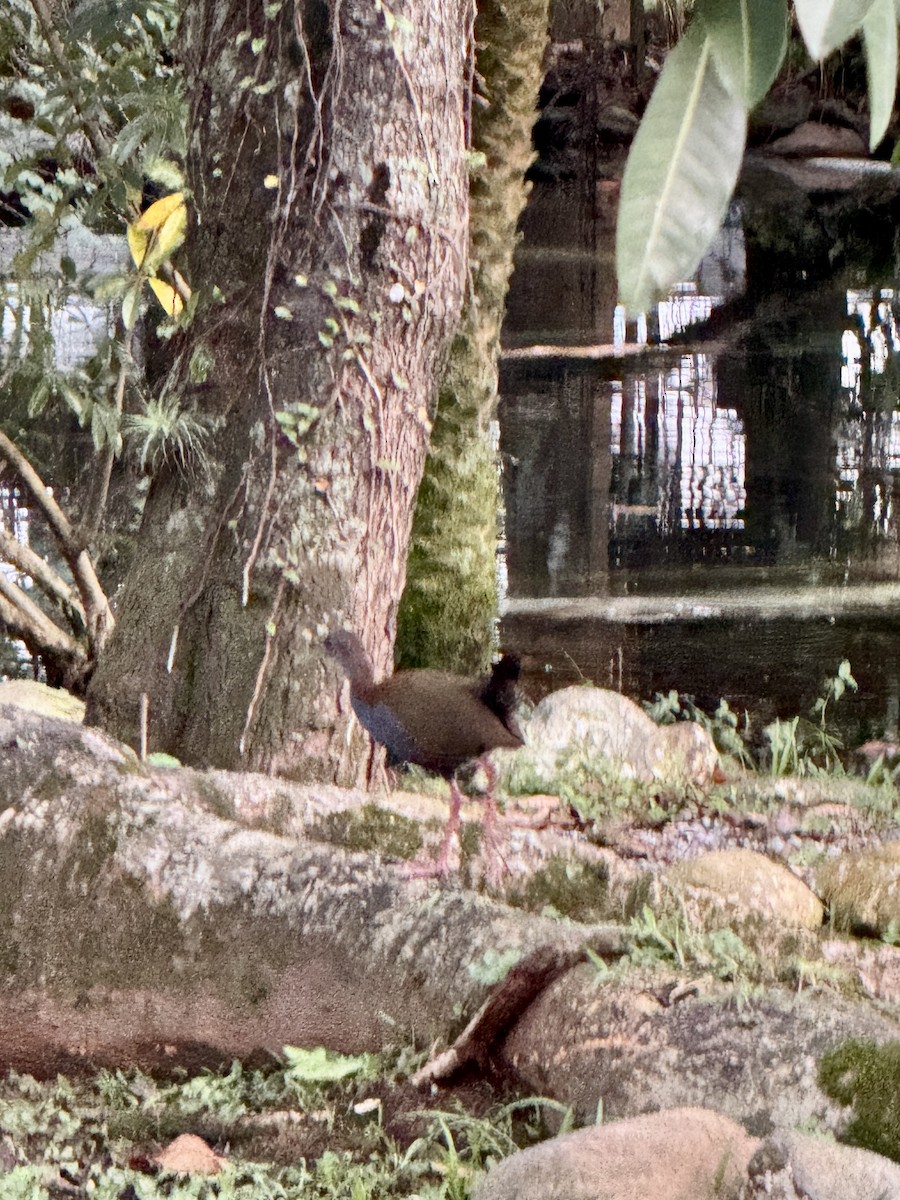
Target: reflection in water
70,327
868,438
791,450
769,460
681,465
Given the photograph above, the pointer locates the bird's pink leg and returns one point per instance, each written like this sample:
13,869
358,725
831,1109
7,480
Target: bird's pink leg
451,830
427,868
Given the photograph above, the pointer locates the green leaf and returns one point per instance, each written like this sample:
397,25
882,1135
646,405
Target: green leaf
827,24
325,1066
845,673
38,400
111,287
748,40
680,174
880,40
131,305
164,172
79,404
159,759
105,428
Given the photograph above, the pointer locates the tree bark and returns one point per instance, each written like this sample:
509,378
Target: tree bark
450,604
327,169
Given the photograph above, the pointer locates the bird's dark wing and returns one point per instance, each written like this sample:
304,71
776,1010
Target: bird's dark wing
388,730
431,718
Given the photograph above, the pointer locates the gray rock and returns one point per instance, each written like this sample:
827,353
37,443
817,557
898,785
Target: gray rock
863,890
677,1154
751,881
614,728
673,1043
876,967
815,139
797,1166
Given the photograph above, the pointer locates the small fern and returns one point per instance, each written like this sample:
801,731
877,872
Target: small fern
166,433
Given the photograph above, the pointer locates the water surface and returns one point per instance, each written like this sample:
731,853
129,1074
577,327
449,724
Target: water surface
711,504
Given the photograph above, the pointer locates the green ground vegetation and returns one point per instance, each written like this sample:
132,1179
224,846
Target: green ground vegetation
315,1125
798,745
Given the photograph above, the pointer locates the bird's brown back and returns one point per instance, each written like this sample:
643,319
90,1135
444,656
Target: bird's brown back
435,719
443,716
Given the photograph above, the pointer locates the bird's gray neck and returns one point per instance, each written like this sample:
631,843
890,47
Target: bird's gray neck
349,653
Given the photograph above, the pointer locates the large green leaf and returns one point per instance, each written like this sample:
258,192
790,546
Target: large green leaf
749,40
880,38
680,174
827,24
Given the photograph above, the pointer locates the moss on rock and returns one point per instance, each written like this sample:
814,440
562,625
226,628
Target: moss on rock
867,1076
567,887
369,828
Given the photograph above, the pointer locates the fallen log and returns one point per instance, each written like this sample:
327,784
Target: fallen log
144,923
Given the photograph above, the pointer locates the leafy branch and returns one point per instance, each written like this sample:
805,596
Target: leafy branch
685,160
107,118
23,617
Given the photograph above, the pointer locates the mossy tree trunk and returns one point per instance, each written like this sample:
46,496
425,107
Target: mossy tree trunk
328,177
450,603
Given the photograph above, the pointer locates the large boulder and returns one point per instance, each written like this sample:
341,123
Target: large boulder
679,1154
687,1154
752,882
614,730
799,1166
863,890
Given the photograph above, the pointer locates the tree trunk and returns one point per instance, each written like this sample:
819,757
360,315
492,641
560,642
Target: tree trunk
450,603
327,170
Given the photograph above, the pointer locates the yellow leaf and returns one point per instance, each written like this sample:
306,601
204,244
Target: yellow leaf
167,296
158,232
159,212
138,240
171,233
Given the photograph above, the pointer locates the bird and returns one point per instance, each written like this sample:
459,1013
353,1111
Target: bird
439,721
